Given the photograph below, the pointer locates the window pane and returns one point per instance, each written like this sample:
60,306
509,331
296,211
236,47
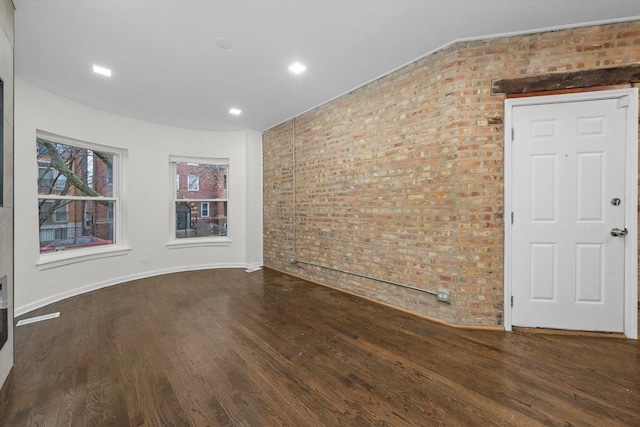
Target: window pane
74,171
191,222
74,224
203,181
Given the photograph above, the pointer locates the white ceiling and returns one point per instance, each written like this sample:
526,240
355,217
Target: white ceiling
168,69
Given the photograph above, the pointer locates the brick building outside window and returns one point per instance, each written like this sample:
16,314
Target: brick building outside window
201,199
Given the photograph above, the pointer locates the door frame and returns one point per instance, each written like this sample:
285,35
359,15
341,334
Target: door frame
631,195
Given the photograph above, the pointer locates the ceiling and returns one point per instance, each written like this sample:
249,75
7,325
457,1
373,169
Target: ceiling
168,69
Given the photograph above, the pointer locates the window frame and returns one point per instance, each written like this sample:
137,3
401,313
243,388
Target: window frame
120,245
186,242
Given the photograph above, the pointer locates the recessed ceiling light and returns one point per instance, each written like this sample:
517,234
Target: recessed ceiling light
101,70
223,43
235,111
297,67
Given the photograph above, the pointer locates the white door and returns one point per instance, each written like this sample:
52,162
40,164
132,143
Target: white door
568,194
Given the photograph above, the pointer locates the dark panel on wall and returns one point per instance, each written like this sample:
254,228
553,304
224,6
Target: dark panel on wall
4,307
1,143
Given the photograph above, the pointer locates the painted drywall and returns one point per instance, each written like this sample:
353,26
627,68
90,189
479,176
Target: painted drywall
254,197
7,207
147,197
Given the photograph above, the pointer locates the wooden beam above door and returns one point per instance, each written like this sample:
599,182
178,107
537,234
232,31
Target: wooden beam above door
567,80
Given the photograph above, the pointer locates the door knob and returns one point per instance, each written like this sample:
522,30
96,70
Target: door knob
616,232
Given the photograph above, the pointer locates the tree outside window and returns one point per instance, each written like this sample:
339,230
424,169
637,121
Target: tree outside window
201,208
76,197
50,179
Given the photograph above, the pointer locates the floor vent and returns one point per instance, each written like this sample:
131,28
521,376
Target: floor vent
38,319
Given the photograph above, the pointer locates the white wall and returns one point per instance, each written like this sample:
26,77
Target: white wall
147,195
7,207
254,199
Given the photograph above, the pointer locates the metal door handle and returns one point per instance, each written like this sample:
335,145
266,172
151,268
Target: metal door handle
616,232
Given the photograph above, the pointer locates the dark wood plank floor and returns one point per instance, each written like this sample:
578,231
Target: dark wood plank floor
224,347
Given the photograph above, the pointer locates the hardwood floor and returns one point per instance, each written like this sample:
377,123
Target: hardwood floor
225,347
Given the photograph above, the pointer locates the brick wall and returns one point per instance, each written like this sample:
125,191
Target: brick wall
402,180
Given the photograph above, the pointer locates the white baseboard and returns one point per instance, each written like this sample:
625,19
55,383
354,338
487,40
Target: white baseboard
254,267
24,309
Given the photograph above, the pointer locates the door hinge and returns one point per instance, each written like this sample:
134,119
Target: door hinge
511,301
512,218
513,134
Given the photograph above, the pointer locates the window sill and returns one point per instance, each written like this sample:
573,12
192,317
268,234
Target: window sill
198,242
62,258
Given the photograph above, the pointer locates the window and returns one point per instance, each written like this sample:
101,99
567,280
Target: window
201,208
77,201
62,214
194,182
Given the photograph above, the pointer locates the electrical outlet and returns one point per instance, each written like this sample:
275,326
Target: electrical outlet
444,295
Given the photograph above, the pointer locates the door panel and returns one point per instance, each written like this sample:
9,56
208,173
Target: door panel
543,187
568,162
589,269
543,271
589,187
